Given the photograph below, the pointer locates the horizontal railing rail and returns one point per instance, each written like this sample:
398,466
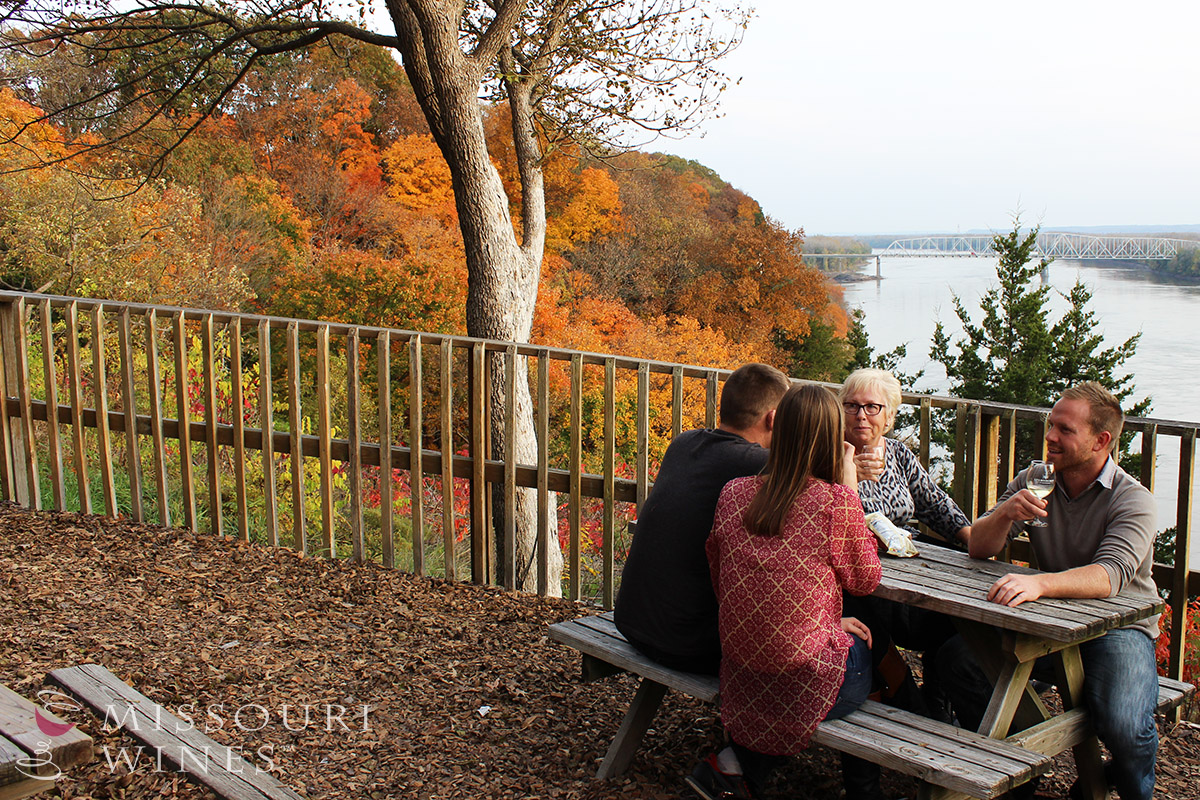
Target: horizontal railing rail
161,408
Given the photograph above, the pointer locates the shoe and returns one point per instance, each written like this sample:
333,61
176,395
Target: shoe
710,783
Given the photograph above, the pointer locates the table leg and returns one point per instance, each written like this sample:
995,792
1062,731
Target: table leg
1014,704
637,719
1068,667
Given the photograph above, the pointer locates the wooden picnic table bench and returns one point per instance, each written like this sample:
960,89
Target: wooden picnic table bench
950,761
954,759
172,740
36,747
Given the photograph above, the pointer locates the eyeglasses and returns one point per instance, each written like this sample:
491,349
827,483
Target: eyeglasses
872,409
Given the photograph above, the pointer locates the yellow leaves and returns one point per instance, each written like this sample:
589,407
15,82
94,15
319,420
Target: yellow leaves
592,208
417,176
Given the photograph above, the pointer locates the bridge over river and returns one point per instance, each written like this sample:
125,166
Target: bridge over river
1075,246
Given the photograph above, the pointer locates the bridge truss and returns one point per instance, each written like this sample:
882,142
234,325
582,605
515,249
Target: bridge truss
1076,246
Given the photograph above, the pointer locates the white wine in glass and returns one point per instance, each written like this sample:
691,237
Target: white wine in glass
1039,480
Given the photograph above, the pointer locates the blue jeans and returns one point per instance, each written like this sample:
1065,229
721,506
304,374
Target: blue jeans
1120,692
857,683
757,767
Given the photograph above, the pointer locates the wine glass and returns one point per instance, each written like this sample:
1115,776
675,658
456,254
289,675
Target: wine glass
1039,480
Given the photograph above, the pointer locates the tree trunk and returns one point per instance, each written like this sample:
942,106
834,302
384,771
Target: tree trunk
502,276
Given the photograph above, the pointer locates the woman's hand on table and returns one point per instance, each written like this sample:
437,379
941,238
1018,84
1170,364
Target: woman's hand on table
854,627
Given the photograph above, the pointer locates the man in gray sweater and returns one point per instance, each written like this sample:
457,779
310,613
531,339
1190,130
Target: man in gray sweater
1098,540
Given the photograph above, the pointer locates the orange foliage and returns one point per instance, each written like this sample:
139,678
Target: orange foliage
415,293
418,177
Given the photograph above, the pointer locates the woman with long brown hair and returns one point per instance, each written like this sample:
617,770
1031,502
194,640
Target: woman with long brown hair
784,546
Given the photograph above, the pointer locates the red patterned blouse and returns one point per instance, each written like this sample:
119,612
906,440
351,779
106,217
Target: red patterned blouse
783,650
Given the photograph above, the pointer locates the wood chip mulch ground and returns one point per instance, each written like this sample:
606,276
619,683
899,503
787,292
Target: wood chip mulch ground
465,696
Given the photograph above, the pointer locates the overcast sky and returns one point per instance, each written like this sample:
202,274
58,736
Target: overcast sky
887,117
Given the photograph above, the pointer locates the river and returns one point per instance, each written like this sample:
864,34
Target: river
914,293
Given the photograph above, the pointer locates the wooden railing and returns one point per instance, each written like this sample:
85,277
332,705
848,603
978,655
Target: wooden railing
226,423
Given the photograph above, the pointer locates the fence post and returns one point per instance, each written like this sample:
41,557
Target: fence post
477,409
16,486
103,432
133,456
1183,542
576,470
183,413
53,439
75,387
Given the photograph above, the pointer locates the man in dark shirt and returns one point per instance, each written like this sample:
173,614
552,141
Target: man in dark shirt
666,606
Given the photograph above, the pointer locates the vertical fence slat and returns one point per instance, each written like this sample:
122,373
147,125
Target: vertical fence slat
295,439
358,543
53,442
477,411
133,455
610,439
208,367
710,399
642,470
103,432
510,468
1008,448
266,421
446,409
926,421
325,441
974,457
575,467
960,459
75,383
676,400
383,369
543,474
183,412
989,464
238,416
1149,455
1183,549
26,480
8,470
416,434
154,389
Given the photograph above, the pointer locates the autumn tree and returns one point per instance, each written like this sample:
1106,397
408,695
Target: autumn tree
587,71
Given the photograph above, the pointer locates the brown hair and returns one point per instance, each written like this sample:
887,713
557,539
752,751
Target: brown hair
1105,409
807,443
749,392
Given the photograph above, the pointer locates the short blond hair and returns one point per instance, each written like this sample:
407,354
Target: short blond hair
869,378
1104,409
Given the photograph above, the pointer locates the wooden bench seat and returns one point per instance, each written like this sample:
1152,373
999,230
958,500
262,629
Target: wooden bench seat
36,747
178,743
951,761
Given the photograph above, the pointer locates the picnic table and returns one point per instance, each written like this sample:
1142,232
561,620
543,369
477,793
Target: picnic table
1008,640
1018,736
36,747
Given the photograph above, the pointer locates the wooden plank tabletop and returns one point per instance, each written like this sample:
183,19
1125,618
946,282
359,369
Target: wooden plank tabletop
941,579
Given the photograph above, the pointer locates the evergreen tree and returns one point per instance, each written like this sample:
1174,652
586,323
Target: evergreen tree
1007,356
1016,354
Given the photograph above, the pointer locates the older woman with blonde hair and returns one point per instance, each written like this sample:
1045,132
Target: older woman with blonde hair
892,482
890,478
